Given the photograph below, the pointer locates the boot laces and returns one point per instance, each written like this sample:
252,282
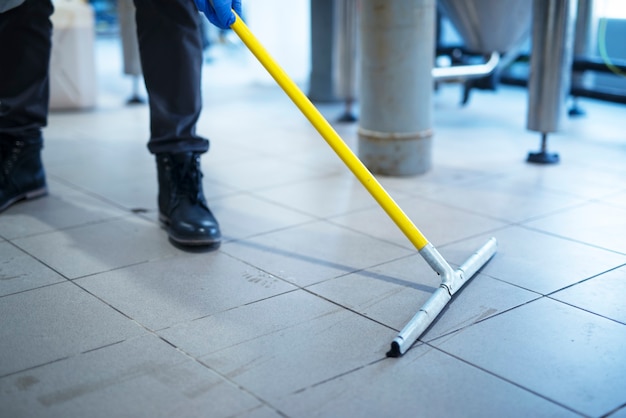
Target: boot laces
188,179
3,159
8,157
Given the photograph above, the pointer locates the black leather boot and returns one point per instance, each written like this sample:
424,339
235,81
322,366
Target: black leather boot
182,206
21,171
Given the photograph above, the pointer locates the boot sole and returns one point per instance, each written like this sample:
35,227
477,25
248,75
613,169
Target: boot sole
32,194
186,241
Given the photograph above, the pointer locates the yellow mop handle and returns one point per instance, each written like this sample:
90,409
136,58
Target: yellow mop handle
330,135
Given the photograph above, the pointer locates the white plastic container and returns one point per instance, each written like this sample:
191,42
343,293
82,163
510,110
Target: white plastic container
72,64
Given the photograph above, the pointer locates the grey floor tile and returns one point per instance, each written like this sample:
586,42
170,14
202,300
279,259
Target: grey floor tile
273,126
236,327
100,247
243,215
423,383
488,132
99,163
19,271
223,149
475,146
603,295
260,173
64,207
254,141
108,123
278,360
140,377
595,223
98,160
136,193
321,159
323,197
546,343
165,292
313,252
63,151
594,156
440,224
617,199
593,141
569,179
535,261
282,136
502,200
54,322
440,174
394,292
123,173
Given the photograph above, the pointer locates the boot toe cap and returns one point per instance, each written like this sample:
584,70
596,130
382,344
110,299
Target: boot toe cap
193,224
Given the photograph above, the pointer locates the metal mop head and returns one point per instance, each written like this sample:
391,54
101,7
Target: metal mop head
451,282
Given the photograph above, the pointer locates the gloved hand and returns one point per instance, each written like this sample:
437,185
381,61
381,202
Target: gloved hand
219,11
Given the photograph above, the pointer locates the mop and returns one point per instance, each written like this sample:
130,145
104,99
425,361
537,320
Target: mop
451,280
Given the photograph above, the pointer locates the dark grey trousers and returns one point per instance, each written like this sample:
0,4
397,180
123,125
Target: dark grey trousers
25,42
171,54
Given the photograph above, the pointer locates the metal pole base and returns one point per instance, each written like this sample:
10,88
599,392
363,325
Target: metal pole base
576,111
451,282
543,158
135,100
347,117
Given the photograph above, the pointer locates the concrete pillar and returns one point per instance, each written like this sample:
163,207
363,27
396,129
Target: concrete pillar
398,46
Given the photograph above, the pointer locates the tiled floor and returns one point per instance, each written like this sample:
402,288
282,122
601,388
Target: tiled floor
293,314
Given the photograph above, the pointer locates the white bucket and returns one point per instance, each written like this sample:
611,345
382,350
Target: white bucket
72,64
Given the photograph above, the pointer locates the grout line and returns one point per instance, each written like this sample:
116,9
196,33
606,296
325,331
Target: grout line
555,235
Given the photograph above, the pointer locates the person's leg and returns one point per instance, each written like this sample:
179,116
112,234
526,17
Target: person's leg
25,44
170,47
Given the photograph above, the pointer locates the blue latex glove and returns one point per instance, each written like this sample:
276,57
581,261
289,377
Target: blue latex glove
219,11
